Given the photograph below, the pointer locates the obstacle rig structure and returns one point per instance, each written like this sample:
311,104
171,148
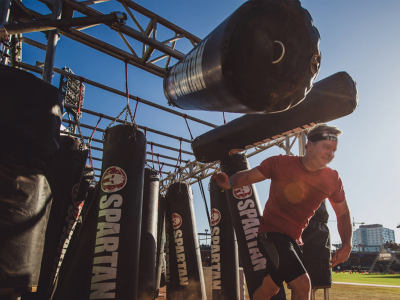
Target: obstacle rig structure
185,85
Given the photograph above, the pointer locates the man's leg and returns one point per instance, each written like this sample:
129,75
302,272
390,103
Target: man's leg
301,287
266,290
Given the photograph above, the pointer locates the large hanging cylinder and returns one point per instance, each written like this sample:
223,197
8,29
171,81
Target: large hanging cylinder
224,249
116,255
148,238
30,110
317,249
331,98
190,270
64,177
246,213
262,58
160,263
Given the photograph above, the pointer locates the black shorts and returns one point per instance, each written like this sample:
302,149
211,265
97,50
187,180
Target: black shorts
284,256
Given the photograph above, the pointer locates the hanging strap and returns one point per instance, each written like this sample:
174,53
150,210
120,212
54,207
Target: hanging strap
223,114
82,79
187,124
205,201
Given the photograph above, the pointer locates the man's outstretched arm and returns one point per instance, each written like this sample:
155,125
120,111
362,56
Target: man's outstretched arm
238,179
345,231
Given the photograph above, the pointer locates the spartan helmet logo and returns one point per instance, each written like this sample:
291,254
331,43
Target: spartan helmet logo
243,192
176,221
215,216
114,179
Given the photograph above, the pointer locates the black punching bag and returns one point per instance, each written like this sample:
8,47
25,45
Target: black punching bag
224,249
160,262
317,249
171,265
148,238
188,259
331,98
75,272
246,213
64,177
30,111
263,58
117,247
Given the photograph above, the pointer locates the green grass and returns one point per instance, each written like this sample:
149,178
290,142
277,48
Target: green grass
386,279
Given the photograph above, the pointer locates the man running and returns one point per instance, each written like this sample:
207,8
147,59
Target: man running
298,187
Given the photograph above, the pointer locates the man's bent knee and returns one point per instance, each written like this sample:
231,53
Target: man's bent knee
267,290
301,285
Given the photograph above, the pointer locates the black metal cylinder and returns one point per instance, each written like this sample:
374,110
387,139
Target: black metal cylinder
331,98
262,58
116,254
317,249
224,249
64,177
245,210
148,238
186,245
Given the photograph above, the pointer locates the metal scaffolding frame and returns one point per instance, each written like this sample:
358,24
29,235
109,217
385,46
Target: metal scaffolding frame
184,169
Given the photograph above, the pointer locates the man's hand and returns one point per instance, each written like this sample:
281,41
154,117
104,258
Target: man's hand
222,180
340,256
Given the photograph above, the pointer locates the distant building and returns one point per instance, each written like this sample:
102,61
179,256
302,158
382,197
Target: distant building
369,238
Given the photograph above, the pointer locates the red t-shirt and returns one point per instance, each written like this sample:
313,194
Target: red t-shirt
295,194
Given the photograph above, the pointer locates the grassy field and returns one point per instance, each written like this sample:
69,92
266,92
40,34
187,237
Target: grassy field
347,292
385,279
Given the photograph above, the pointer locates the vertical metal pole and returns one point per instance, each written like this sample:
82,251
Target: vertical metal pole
326,293
302,144
4,15
51,44
313,294
287,145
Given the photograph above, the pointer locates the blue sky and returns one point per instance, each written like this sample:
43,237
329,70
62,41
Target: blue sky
357,36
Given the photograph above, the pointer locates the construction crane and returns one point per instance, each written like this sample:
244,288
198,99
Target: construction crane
354,224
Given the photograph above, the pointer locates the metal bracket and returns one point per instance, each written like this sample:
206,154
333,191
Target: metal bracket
121,18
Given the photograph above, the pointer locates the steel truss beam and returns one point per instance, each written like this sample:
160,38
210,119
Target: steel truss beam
115,91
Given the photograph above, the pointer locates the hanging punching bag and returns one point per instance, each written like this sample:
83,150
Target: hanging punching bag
331,98
246,213
73,281
148,238
224,249
317,249
64,177
263,58
116,255
186,245
160,263
171,264
30,110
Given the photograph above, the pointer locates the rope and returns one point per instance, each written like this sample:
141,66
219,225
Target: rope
152,154
90,141
82,79
159,168
137,103
205,201
187,124
223,114
179,162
